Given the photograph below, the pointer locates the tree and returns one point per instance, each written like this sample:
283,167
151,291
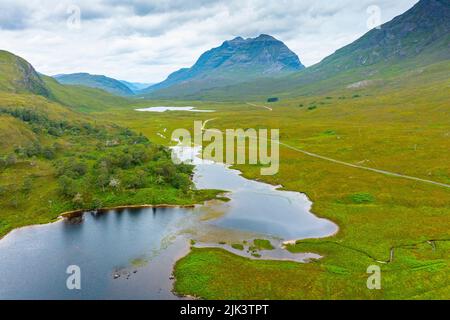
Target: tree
102,175
48,153
181,181
96,204
2,163
78,200
11,160
67,186
159,180
114,183
27,185
136,180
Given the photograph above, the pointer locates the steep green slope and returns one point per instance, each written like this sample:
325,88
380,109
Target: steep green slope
17,75
95,81
83,98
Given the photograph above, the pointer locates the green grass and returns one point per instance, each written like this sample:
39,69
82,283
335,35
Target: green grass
237,246
262,244
360,198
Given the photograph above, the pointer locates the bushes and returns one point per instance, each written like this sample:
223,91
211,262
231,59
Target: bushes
67,186
8,161
72,169
362,198
97,160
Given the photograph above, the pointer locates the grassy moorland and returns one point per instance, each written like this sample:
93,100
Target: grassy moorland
54,160
400,127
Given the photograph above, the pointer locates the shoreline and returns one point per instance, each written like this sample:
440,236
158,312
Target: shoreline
80,212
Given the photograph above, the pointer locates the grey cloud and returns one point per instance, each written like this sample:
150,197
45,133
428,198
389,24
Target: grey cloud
144,40
13,16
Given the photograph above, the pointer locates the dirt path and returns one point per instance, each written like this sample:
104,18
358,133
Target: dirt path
254,105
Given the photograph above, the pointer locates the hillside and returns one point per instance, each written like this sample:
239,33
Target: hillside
18,76
235,61
54,158
136,86
95,81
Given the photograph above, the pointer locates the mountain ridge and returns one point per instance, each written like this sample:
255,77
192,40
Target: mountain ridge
418,37
234,60
95,81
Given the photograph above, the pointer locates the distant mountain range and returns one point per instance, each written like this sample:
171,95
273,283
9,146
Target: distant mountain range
264,66
136,86
418,37
95,81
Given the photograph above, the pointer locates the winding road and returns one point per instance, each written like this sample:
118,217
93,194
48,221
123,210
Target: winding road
314,155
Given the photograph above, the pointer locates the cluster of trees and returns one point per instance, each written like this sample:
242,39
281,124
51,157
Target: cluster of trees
8,161
35,149
97,162
41,123
133,164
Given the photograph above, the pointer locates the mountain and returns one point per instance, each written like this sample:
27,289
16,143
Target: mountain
419,37
136,86
18,76
234,61
425,28
20,81
95,81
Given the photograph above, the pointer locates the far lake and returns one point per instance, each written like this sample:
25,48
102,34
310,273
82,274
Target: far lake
165,108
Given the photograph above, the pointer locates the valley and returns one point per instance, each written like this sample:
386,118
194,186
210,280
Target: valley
363,177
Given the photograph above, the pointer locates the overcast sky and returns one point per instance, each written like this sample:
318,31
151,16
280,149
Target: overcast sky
145,40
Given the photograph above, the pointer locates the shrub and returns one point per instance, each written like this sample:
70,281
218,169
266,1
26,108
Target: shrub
262,244
361,198
272,99
48,153
2,163
67,186
11,160
237,246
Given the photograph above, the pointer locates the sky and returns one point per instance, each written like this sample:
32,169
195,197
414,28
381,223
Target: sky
146,40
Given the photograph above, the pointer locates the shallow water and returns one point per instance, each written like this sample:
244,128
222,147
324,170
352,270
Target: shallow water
130,253
167,108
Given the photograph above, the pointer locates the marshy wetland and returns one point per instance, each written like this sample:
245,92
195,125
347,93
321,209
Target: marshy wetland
130,253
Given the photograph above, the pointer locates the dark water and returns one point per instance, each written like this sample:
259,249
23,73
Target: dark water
33,261
129,254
